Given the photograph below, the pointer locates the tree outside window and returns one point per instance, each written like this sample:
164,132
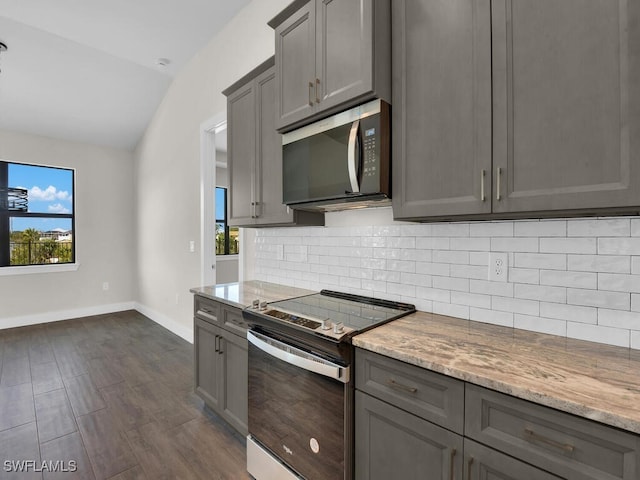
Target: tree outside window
227,241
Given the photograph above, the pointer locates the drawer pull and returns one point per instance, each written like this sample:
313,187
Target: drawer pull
399,386
451,465
469,464
532,436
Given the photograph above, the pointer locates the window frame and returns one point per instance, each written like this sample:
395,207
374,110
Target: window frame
225,222
5,226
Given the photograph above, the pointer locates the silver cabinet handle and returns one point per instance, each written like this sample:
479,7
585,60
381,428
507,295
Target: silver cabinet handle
451,464
310,93
400,386
351,157
533,437
498,175
483,173
317,85
216,348
469,464
256,214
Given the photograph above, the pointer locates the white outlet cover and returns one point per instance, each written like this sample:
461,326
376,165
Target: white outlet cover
498,266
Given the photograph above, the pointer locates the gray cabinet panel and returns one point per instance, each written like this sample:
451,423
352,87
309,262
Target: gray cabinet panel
206,309
296,63
391,443
568,446
566,104
241,153
434,397
482,463
206,340
234,368
441,68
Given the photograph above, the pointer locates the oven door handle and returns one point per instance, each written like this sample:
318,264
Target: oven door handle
297,357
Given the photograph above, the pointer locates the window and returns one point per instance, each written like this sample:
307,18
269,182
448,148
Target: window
226,237
36,215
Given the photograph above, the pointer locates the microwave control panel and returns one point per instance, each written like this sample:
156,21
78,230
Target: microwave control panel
370,128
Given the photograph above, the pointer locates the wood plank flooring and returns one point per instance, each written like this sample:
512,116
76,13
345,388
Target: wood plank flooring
114,394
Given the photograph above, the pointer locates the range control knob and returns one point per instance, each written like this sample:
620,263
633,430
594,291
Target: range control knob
263,305
255,304
326,324
338,327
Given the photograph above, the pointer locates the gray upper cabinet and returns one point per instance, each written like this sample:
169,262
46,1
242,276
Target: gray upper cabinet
330,54
441,117
532,108
254,155
566,104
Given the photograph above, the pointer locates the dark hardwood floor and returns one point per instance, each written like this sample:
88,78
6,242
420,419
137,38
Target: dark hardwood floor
112,393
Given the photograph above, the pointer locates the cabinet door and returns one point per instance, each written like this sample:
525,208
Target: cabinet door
295,64
344,55
482,463
566,104
207,361
391,443
270,209
241,154
234,380
441,67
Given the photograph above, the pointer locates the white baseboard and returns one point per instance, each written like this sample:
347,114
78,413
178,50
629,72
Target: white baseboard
59,315
168,323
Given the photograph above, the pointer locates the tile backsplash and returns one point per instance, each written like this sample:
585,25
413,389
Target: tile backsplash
578,278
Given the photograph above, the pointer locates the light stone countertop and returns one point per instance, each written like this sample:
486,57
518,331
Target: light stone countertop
242,294
592,380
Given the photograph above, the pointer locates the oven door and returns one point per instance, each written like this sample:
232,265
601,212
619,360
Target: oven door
296,411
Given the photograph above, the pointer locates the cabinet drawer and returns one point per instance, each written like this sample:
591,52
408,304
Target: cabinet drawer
429,395
571,447
233,321
206,309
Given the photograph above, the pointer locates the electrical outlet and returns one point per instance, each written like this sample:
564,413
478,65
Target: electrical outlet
192,246
105,286
498,266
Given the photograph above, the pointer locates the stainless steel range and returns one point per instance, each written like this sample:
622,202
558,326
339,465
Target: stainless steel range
301,383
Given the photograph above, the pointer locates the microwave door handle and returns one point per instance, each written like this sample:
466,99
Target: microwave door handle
352,157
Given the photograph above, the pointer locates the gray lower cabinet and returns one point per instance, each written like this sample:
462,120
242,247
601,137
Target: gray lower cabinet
221,360
254,155
330,54
533,107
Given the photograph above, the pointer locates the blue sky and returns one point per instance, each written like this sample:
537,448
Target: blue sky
50,191
220,203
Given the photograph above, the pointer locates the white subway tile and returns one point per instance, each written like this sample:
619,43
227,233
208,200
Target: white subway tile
524,275
433,294
374,263
422,230
296,257
471,299
341,271
490,316
415,255
401,266
618,282
635,340
597,333
502,289
350,282
449,283
549,261
560,278
375,242
568,245
387,276
541,293
599,227
429,268
358,231
450,229
491,229
541,325
635,302
598,263
540,228
451,310
433,243
596,298
515,305
480,244
374,286
449,256
392,253
469,271
422,305
572,313
635,227
361,273
387,231
619,319
479,258
619,246
401,242
416,279
516,244
400,289
635,265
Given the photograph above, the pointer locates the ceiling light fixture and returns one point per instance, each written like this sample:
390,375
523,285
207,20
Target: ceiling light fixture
163,62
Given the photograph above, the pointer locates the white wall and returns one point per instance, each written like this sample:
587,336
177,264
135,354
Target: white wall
578,278
105,246
168,168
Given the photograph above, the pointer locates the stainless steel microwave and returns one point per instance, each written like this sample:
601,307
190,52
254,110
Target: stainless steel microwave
340,162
